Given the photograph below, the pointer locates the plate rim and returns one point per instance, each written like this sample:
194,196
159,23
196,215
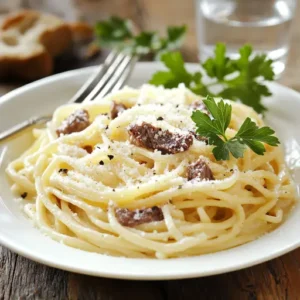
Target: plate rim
10,244
138,277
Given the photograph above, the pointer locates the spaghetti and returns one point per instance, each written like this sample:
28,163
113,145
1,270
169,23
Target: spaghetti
99,190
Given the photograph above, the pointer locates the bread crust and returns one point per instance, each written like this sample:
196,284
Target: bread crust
29,42
37,66
82,32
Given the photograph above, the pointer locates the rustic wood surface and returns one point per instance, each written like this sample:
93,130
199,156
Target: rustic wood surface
21,278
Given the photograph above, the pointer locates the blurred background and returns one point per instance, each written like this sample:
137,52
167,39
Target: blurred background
156,15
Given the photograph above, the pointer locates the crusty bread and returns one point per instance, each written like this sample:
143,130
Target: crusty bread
29,40
82,32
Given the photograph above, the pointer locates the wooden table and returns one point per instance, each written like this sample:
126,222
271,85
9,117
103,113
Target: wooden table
21,278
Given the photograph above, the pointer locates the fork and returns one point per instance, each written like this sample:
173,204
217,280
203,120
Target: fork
109,77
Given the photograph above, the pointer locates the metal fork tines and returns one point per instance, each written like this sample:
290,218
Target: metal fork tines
114,69
109,77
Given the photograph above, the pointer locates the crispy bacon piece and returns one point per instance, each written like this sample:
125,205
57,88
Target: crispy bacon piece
77,121
200,170
131,218
116,108
88,149
150,137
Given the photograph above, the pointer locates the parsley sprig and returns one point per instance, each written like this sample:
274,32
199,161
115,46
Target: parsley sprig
237,79
214,128
120,33
242,78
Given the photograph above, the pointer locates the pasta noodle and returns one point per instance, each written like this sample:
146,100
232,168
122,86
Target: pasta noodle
74,184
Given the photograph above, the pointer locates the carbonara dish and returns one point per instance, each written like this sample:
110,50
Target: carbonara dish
129,176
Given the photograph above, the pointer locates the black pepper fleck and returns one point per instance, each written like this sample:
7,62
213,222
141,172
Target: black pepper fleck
113,190
64,171
24,195
110,157
106,127
160,119
101,162
180,187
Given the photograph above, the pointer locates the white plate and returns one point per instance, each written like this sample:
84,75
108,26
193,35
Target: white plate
17,233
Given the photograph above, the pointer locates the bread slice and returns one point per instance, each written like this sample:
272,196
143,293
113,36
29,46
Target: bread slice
29,40
81,31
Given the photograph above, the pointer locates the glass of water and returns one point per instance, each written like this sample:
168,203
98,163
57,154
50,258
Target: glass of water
265,24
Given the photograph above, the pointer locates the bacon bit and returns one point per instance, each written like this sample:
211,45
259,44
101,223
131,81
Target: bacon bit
77,121
150,137
88,149
200,170
116,109
24,195
131,218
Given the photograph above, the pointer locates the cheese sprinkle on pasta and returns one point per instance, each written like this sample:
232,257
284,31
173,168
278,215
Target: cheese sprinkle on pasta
127,175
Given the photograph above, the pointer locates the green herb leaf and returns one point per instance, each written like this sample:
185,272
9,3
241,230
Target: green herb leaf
206,126
177,73
223,149
238,79
113,31
247,86
144,42
236,148
221,112
118,32
214,128
254,137
220,65
175,37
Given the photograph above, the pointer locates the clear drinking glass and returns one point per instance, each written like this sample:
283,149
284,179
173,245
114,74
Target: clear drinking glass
265,24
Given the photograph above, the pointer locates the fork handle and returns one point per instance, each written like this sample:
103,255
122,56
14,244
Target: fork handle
22,126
